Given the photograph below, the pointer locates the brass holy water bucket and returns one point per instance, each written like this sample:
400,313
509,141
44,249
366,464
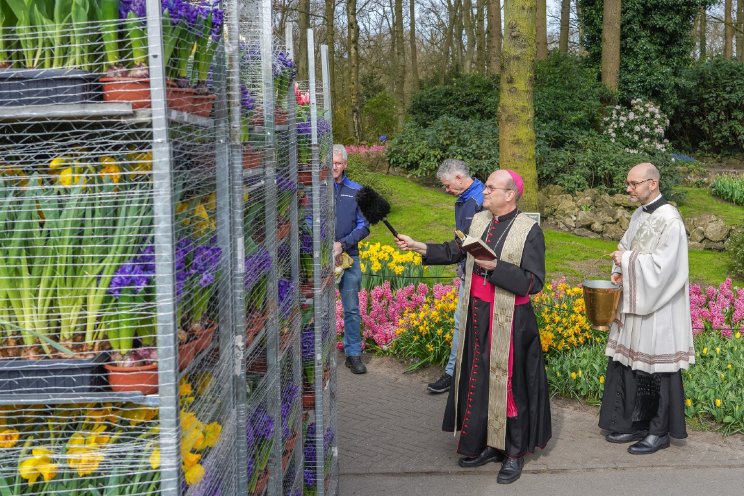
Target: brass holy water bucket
601,299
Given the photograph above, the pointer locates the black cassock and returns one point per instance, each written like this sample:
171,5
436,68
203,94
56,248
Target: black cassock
531,427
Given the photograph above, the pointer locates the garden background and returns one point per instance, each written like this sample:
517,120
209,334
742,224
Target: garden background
673,95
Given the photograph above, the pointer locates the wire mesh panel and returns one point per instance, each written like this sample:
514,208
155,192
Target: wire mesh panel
315,144
111,267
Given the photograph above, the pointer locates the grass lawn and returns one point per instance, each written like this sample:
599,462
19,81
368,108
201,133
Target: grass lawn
699,201
427,214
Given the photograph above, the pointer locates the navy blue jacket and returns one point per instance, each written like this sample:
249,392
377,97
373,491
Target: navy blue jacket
468,203
351,226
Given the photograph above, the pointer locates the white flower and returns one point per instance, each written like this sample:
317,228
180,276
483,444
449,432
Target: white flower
631,115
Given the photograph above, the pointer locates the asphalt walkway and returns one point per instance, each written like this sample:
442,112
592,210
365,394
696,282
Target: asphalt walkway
391,443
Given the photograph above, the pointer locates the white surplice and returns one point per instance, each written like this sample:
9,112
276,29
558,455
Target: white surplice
653,331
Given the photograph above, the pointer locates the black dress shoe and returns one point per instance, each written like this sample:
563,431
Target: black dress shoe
510,471
487,455
649,444
619,437
356,365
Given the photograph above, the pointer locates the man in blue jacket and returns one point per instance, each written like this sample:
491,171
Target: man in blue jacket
456,180
351,228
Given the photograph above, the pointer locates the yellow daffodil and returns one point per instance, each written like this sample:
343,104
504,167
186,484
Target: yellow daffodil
190,459
737,335
573,376
194,475
68,177
718,403
39,464
110,169
184,388
9,438
705,350
688,402
192,438
601,379
155,459
139,415
212,434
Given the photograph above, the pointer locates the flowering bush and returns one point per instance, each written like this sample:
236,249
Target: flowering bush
640,128
717,310
381,309
384,263
561,317
424,334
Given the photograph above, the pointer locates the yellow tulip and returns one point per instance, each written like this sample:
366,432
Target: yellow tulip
601,379
68,177
718,403
155,459
184,388
190,459
688,402
573,376
38,464
58,163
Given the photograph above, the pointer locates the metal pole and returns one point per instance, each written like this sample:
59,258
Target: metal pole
230,191
165,282
272,292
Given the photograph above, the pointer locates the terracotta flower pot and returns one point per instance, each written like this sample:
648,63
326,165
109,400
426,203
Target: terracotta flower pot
143,379
282,231
308,401
255,323
179,98
204,338
186,354
202,105
252,157
125,89
305,174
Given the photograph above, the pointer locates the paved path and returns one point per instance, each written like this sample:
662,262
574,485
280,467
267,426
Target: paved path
391,443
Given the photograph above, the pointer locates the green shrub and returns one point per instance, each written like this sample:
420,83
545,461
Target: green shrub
464,97
710,114
568,99
655,45
593,161
735,248
420,149
360,170
729,188
379,116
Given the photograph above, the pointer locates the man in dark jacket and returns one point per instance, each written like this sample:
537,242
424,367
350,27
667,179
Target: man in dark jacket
351,228
455,178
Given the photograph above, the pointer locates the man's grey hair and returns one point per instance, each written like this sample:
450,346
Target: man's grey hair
450,167
340,150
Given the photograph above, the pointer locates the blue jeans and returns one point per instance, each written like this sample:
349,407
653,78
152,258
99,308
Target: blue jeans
450,368
351,283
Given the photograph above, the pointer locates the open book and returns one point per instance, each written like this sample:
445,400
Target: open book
475,246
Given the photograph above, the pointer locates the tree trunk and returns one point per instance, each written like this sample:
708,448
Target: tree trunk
414,46
611,43
728,33
565,18
459,37
702,40
448,48
467,18
494,36
303,22
331,42
400,57
541,26
580,26
517,110
480,36
356,118
740,30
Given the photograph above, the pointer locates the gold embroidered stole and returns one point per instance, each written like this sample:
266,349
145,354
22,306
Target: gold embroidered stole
503,313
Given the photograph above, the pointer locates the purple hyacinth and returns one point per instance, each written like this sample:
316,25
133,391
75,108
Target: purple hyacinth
135,274
249,54
262,423
284,184
306,243
285,296
136,7
328,438
204,264
247,102
308,477
307,343
311,457
251,467
284,251
290,393
256,266
304,128
283,65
